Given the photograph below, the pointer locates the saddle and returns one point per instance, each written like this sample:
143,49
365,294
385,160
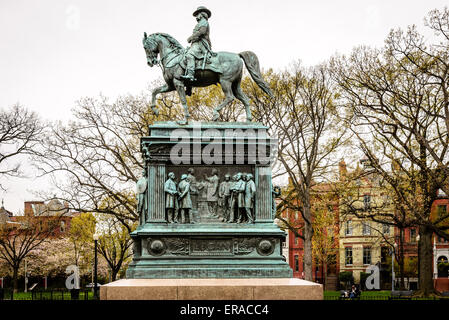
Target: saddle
208,62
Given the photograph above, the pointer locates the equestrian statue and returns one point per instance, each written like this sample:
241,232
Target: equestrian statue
199,66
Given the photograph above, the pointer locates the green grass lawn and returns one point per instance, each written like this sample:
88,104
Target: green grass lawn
47,295
374,295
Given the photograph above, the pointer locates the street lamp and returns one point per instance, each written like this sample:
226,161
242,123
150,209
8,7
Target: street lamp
96,236
392,265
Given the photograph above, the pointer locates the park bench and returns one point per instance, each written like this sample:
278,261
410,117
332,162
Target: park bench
401,295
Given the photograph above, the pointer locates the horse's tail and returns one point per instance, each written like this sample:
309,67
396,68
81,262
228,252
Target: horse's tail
252,64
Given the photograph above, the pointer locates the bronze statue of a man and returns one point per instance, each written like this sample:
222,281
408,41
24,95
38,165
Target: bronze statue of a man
250,192
142,205
200,42
224,194
171,192
212,192
193,190
238,198
185,203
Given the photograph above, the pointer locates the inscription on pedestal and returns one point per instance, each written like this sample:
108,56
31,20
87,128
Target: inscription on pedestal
214,247
210,247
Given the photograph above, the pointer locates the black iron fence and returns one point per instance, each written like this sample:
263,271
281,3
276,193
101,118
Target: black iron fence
61,294
380,297
53,294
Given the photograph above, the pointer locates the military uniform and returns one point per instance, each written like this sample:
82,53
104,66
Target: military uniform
170,194
200,43
250,191
141,188
185,202
224,194
240,188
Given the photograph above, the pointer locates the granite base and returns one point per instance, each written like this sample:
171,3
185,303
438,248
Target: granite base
212,289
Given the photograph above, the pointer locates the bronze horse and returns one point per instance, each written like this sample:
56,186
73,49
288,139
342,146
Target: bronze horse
230,75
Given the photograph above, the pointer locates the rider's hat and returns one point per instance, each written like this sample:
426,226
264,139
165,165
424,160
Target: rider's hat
202,9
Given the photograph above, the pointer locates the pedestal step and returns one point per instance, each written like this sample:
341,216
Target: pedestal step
212,289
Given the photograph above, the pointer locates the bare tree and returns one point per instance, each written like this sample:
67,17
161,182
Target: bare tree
397,106
19,133
303,116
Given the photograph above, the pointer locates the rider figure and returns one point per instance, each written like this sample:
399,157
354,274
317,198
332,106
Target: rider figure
200,42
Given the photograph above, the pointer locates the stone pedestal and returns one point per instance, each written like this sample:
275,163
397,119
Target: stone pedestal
211,247
212,289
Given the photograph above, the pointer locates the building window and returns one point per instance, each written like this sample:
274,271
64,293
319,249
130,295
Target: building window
386,229
62,228
366,228
296,239
348,228
348,256
412,235
442,211
366,255
296,263
367,202
442,265
442,240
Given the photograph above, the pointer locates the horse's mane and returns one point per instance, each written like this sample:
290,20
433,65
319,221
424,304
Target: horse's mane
170,39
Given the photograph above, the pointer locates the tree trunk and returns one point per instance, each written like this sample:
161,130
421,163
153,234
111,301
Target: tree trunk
114,273
401,259
425,261
323,274
15,274
308,231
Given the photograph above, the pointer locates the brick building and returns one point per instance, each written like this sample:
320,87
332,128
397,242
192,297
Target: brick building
440,208
48,211
325,269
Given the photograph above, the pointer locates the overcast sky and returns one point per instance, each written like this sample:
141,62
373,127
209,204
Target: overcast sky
53,52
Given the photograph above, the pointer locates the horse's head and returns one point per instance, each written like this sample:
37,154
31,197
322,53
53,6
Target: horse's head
151,49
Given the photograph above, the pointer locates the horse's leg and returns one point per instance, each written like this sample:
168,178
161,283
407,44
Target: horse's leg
239,94
179,85
162,89
227,90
